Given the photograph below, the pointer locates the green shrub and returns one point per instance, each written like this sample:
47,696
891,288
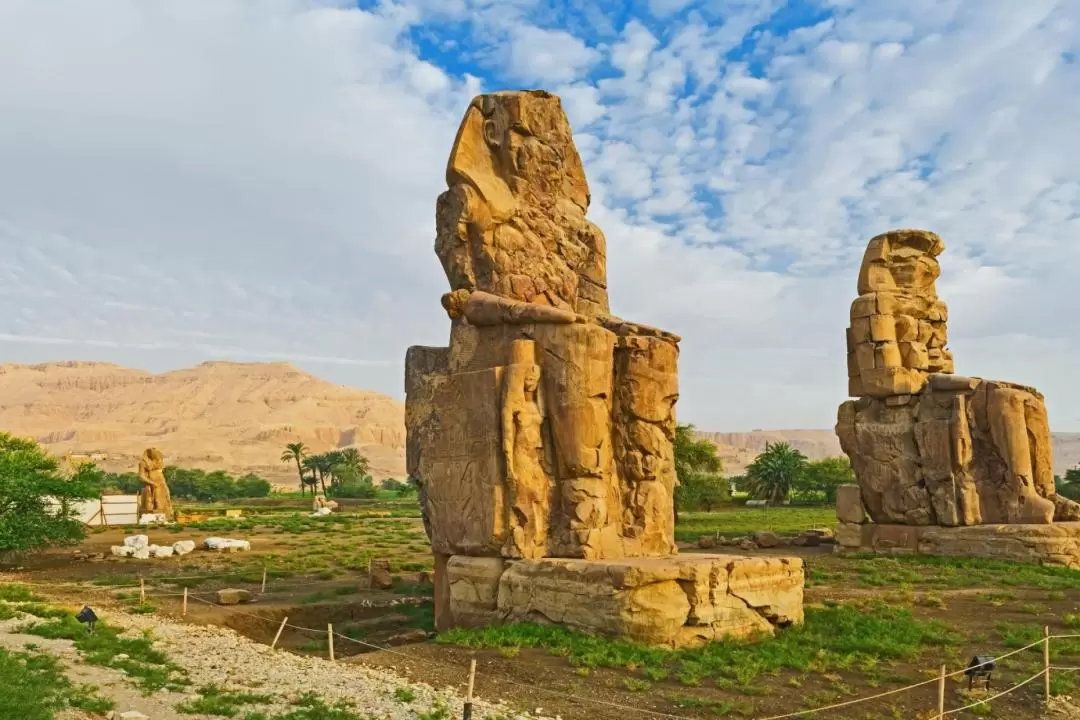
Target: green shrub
36,507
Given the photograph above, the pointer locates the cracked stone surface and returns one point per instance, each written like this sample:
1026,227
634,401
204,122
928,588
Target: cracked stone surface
1056,544
674,601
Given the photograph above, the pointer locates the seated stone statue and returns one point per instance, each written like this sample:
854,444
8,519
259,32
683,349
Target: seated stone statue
567,410
541,437
929,447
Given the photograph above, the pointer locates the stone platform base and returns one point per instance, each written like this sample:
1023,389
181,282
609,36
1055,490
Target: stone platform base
1056,544
674,601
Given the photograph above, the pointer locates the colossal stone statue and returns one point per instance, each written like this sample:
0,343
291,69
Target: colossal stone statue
154,497
930,448
545,429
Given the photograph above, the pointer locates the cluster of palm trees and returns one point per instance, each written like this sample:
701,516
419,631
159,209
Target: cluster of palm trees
336,466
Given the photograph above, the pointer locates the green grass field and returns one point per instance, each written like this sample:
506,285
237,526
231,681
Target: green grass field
732,521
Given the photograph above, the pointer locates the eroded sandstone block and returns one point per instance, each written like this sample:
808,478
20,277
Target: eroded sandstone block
849,507
474,589
672,601
977,454
1044,544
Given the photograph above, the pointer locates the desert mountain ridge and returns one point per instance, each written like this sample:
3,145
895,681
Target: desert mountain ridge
738,449
239,416
218,415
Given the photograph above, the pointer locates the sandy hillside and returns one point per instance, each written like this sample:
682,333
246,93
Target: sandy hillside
738,449
238,417
218,415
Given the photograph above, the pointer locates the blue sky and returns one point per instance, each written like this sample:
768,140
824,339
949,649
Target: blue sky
183,180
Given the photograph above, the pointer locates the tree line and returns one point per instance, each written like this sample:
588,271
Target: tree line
338,473
779,474
194,484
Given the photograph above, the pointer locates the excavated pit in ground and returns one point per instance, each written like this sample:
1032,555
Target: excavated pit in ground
378,625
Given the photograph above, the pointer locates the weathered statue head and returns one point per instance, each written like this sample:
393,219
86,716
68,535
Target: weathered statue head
898,325
513,220
532,378
154,458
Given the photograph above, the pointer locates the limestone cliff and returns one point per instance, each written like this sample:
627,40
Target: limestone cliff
218,415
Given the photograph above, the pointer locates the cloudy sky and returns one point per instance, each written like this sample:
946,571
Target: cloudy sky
184,180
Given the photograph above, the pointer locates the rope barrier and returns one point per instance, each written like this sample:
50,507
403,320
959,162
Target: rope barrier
639,710
800,713
1017,686
895,691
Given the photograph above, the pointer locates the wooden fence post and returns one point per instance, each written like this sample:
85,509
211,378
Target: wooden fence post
467,713
142,590
1046,663
330,637
264,580
184,611
941,694
279,631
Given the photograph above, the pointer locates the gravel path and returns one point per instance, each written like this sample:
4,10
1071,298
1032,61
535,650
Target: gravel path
218,656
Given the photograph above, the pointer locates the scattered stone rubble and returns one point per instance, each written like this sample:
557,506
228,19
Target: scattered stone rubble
138,547
765,540
226,544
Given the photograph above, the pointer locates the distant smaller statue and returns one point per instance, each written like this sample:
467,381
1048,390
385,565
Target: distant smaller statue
323,506
154,497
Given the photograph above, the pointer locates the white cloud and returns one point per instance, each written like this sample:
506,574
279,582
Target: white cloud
257,180
547,56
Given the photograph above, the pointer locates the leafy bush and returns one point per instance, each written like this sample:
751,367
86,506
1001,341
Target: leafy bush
211,486
127,483
775,472
358,487
1069,486
401,489
698,468
36,499
252,486
821,478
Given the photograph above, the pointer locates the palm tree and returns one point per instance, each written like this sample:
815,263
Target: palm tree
351,458
332,461
774,472
318,467
296,451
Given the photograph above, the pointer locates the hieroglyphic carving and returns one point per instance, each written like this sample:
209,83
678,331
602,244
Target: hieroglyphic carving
528,470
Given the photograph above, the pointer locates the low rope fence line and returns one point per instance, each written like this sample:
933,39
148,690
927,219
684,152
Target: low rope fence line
653,713
329,634
1017,686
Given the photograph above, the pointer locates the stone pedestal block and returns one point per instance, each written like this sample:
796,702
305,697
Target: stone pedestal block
1056,544
673,601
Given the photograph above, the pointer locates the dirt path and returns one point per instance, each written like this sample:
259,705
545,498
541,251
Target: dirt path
221,657
110,683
